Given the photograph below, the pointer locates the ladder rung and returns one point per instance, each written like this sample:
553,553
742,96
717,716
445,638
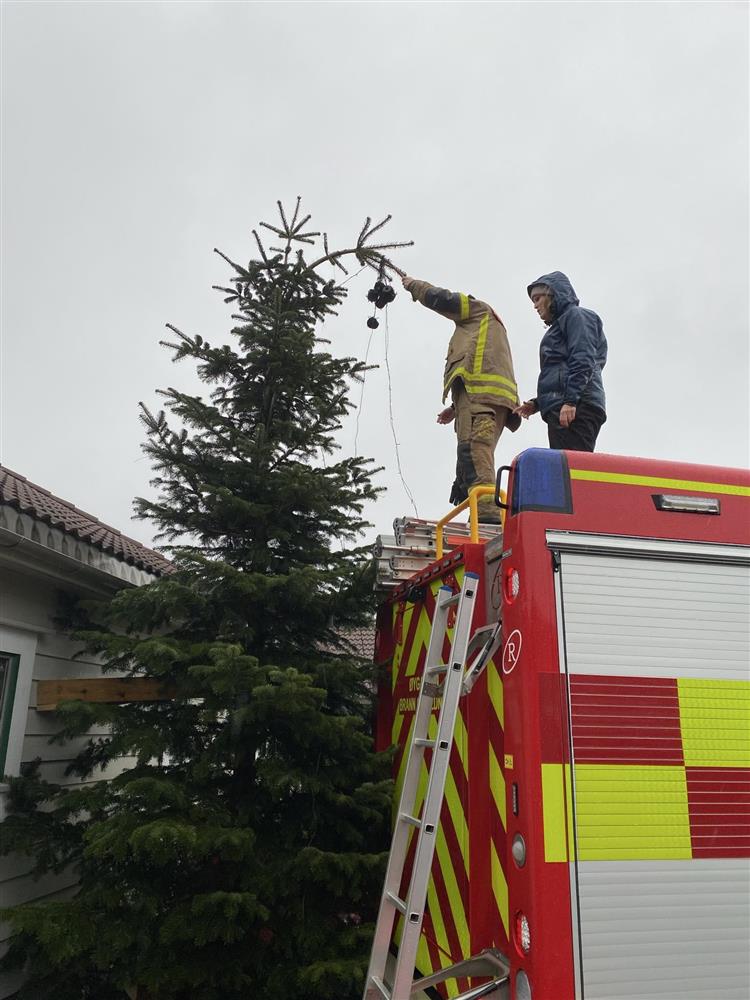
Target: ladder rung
411,820
452,600
381,987
397,902
424,743
440,668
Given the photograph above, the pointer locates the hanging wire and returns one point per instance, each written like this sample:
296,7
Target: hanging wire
362,392
393,425
347,280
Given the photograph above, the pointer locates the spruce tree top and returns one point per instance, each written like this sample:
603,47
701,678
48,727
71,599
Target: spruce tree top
247,492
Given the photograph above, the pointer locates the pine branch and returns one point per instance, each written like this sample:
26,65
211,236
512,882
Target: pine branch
240,270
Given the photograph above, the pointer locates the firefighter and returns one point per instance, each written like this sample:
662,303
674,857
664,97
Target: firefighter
479,376
572,354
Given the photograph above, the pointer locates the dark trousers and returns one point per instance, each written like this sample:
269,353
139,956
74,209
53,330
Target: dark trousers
581,435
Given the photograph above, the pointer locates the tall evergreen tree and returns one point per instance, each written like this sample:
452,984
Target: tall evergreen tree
242,853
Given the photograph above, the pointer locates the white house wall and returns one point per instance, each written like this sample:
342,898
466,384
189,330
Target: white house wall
29,604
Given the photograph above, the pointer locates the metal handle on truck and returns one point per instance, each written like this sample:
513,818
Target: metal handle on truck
498,492
471,502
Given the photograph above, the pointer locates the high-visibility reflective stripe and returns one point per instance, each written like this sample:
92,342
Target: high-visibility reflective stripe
465,306
481,341
715,722
455,901
631,813
592,475
452,800
480,377
554,812
484,390
499,887
491,390
662,769
461,742
495,691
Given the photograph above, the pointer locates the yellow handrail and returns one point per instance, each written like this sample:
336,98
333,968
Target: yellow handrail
472,503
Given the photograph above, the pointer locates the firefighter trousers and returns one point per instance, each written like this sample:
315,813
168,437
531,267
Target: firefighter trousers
478,429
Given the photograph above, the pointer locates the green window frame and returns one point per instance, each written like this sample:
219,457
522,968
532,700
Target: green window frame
9,663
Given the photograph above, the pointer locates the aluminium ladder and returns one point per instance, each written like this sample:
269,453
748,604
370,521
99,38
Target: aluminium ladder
451,687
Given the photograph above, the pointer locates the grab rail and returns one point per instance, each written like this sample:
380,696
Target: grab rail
472,503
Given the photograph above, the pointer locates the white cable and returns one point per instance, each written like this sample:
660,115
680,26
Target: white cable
393,425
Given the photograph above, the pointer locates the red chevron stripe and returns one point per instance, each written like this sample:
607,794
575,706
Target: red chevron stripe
496,736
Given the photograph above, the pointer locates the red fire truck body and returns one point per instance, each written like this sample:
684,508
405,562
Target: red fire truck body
596,821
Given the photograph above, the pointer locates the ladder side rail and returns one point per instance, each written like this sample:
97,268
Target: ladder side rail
400,842
417,894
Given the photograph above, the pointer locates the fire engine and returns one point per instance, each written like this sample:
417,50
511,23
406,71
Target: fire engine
588,836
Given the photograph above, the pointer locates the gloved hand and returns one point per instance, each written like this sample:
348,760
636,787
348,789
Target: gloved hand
459,493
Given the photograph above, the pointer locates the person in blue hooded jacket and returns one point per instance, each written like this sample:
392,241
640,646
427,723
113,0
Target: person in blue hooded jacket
572,354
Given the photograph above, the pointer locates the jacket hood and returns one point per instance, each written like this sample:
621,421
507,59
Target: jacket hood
562,291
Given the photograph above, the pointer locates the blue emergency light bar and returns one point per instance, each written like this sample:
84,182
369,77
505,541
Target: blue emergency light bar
541,482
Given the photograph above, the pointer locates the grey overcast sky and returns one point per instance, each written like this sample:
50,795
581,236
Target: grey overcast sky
606,140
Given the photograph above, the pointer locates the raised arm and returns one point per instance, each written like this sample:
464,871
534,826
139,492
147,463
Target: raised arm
453,305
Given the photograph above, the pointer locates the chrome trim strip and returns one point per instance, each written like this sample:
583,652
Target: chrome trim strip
653,548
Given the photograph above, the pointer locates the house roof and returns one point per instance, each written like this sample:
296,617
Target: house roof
28,498
362,640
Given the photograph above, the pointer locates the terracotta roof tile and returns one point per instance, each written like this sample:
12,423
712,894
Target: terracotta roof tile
28,498
362,640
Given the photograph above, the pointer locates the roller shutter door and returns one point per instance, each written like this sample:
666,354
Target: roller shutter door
656,652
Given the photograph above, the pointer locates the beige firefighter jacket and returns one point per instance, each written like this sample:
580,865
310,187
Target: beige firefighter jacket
478,352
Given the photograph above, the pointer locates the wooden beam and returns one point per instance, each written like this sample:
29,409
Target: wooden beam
106,690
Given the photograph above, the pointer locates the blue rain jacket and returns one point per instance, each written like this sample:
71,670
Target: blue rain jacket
572,353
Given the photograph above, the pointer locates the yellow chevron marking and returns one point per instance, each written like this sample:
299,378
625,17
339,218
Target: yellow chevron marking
438,924
398,722
461,740
455,808
404,755
398,653
592,475
452,800
495,691
497,786
424,962
626,813
499,888
421,640
715,722
425,965
454,894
